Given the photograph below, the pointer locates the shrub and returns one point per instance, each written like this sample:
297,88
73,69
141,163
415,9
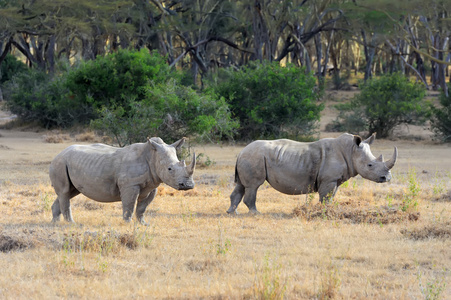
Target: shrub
270,100
384,103
170,111
115,78
39,97
76,95
11,66
441,118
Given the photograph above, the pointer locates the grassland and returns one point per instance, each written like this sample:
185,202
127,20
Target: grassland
375,241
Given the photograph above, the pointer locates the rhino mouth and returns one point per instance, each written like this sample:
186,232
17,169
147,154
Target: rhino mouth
384,179
185,186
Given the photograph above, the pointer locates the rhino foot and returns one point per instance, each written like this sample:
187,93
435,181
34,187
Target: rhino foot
142,222
254,212
232,211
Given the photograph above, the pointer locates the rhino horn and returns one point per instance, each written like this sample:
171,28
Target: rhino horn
192,165
390,163
380,158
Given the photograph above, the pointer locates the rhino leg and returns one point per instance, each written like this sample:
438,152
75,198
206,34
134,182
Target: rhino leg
56,211
142,205
129,196
327,191
62,205
250,195
235,197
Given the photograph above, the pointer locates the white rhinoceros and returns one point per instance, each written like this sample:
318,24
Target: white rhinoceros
109,174
299,168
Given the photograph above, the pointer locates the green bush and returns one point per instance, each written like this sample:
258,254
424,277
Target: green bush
35,96
115,78
382,104
270,100
441,118
76,95
11,66
170,111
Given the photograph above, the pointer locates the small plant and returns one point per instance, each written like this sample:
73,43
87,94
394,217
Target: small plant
410,199
433,289
389,199
67,253
187,214
330,282
102,263
268,281
203,160
46,201
222,246
439,186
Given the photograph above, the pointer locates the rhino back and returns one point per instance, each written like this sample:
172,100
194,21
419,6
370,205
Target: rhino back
290,167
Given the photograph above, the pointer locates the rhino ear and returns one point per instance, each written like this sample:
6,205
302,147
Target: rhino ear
357,140
371,139
179,143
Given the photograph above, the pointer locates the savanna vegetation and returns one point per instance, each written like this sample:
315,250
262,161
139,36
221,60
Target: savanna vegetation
218,72
245,67
374,241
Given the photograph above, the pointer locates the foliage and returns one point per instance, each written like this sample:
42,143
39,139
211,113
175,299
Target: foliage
116,78
410,199
384,103
11,66
441,118
39,97
170,111
269,282
270,100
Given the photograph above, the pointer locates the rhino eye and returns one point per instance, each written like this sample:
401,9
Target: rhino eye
169,169
370,165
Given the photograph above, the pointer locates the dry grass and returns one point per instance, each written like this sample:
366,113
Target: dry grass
375,241
361,246
56,137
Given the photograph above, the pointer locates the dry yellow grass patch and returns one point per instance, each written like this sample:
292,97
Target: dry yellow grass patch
364,245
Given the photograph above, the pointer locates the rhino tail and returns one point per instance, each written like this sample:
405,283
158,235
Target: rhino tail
237,176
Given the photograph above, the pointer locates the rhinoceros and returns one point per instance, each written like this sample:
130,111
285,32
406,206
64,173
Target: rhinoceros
296,168
109,174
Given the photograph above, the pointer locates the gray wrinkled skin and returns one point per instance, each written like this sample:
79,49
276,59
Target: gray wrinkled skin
109,174
300,168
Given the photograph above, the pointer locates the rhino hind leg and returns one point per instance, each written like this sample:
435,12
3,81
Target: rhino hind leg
235,197
62,205
250,196
142,205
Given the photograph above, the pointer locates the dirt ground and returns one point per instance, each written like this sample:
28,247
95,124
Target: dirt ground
364,246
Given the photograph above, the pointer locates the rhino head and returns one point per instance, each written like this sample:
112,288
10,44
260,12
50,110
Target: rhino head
169,169
367,165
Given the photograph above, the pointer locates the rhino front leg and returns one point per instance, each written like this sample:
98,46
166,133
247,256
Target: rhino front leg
56,211
142,205
327,191
235,198
129,195
250,196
